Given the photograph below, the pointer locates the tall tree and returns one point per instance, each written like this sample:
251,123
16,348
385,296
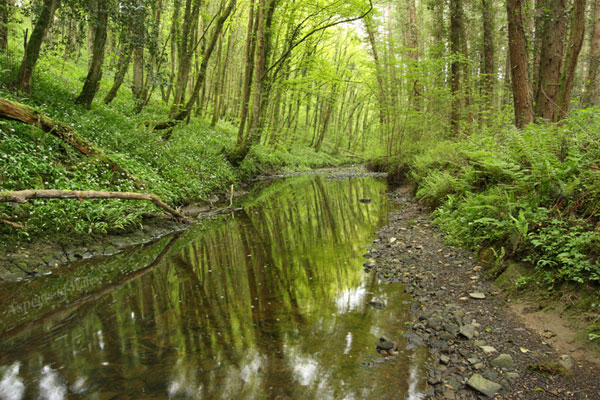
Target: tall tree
201,76
570,66
489,74
456,21
518,63
592,85
34,45
551,58
100,11
5,13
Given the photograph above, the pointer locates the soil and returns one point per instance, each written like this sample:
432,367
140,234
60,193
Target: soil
475,335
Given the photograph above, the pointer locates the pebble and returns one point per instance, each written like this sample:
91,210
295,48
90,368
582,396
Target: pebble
477,295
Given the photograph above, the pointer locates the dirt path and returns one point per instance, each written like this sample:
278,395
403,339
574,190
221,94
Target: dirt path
477,344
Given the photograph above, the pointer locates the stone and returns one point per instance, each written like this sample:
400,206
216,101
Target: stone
566,362
377,304
444,359
503,361
477,295
484,386
512,375
385,344
488,349
467,331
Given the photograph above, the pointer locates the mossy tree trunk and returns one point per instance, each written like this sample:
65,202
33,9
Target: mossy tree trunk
32,48
92,81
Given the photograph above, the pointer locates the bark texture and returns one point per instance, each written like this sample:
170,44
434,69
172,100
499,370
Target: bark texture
518,64
551,58
568,73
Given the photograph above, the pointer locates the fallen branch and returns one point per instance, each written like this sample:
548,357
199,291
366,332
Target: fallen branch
21,196
12,224
12,111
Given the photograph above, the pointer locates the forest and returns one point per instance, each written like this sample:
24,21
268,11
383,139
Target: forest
489,109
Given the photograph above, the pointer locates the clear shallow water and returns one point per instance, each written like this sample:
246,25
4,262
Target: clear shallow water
270,303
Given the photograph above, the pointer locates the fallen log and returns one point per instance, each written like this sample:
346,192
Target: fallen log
12,224
21,196
12,111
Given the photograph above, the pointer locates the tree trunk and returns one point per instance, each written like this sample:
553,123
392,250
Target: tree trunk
21,196
568,73
456,17
551,61
489,76
200,79
92,81
139,43
5,13
518,64
185,52
122,68
590,97
32,51
248,73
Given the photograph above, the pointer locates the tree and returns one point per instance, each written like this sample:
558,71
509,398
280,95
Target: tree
456,21
91,85
551,58
32,47
5,13
489,77
592,85
568,73
519,63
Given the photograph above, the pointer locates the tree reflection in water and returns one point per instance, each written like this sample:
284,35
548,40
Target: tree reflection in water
269,303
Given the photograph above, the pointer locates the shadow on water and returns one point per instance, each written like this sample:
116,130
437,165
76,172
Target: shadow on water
269,303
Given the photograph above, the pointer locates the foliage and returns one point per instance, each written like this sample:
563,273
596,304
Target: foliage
533,193
188,167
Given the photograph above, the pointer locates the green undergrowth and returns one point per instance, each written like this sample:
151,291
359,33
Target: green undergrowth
189,167
531,196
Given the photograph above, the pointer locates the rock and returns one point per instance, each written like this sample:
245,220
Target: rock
482,385
488,349
512,375
477,295
566,362
444,359
467,331
385,344
377,304
503,361
378,360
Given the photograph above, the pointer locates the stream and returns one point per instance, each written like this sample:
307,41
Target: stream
271,302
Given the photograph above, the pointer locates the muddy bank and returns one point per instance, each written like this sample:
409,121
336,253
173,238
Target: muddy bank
478,347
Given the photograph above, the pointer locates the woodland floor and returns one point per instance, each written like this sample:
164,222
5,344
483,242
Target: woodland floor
464,334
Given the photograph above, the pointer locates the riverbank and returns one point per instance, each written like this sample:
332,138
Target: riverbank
40,257
479,346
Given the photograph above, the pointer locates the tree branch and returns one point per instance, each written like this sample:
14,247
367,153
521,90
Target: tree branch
21,196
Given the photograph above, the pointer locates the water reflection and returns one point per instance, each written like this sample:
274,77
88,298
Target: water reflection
271,303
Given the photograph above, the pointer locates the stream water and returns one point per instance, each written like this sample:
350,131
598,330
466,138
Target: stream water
268,303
